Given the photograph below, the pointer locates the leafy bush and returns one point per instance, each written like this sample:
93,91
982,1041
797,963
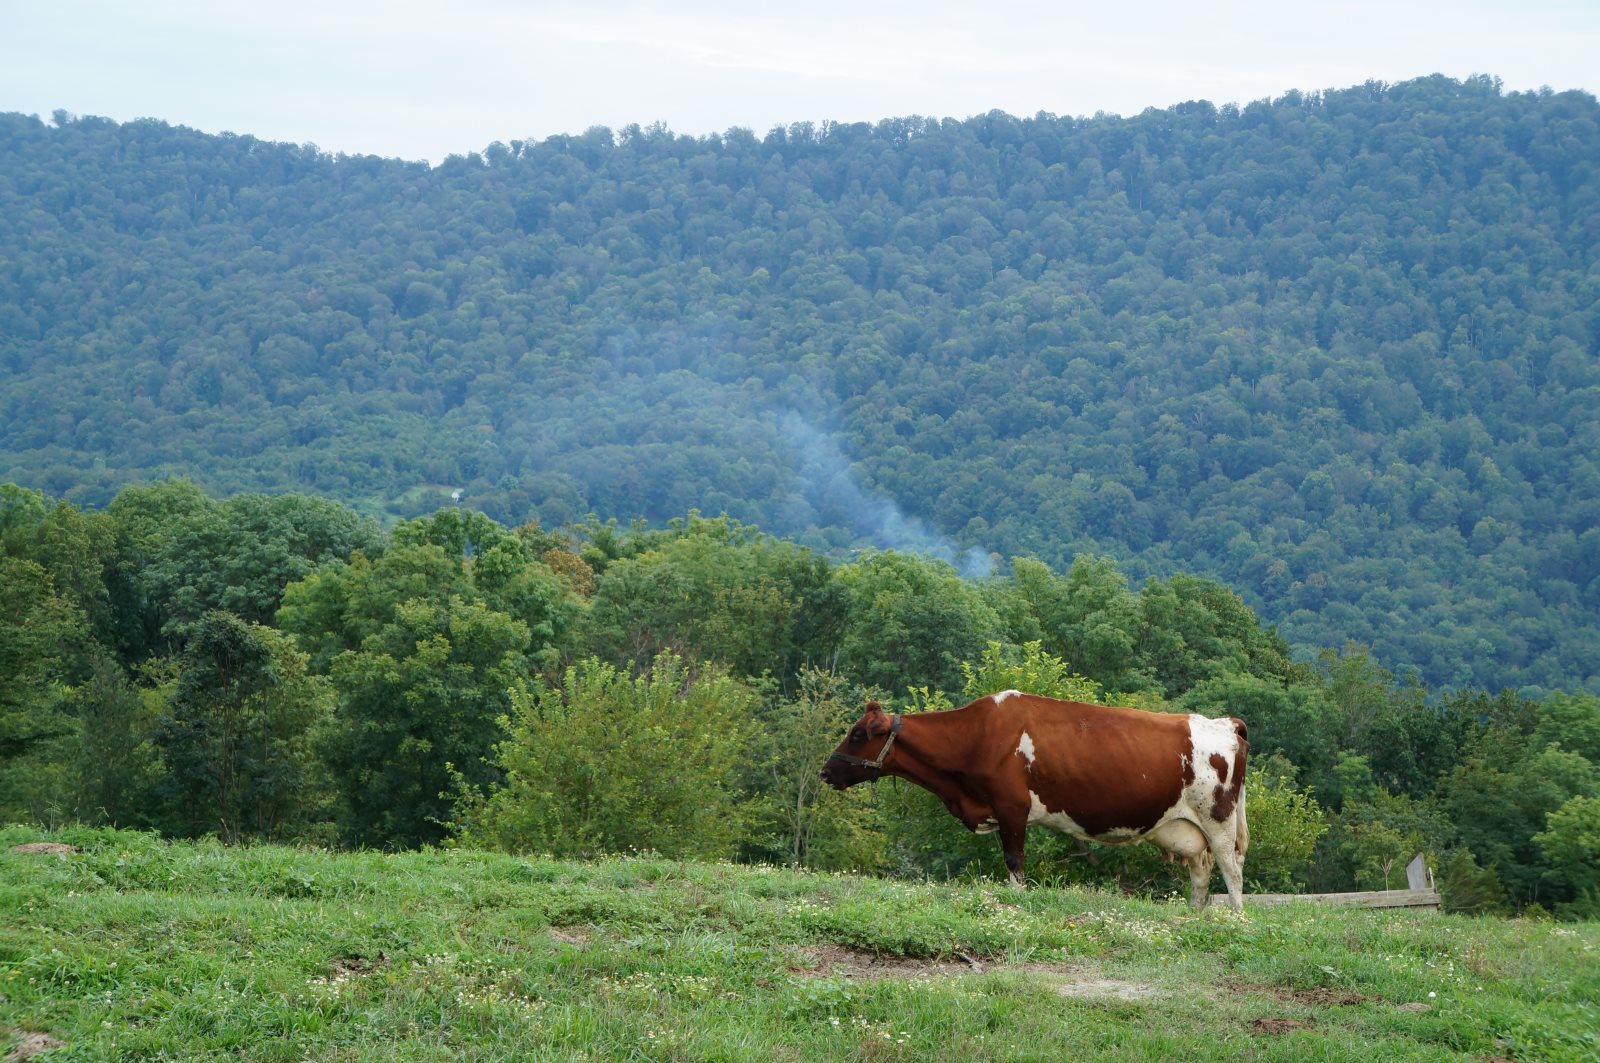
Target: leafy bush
1285,823
1027,668
1467,888
802,820
610,762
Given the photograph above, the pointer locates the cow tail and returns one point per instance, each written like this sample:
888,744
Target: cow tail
1241,824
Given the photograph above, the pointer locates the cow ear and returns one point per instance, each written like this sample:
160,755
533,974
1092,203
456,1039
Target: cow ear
874,706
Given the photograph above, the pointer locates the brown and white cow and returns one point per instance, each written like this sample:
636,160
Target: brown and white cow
1111,775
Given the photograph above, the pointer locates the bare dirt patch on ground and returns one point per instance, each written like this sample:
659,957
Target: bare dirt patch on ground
1083,985
1319,997
57,848
359,964
32,1044
344,968
1064,979
1323,997
863,965
568,937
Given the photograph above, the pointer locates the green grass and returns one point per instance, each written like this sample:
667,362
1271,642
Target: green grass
139,949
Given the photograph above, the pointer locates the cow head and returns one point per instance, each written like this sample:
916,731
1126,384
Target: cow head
860,756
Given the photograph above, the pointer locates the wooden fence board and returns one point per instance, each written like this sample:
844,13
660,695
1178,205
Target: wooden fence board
1424,898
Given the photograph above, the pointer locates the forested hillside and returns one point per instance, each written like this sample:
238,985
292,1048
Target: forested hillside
1339,350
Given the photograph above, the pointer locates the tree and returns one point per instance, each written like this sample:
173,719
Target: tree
1192,629
1292,719
42,639
910,622
113,763
425,691
1501,796
1571,844
183,554
1573,720
715,590
236,736
1162,338
808,823
423,645
337,607
1088,618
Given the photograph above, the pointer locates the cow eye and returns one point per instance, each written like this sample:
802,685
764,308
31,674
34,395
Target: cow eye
858,735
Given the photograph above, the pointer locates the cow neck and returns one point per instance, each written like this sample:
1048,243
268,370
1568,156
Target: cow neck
928,751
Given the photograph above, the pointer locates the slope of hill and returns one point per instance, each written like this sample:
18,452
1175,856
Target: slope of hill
135,948
1340,350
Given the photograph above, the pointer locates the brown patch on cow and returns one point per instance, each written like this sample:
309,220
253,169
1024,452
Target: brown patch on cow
1278,1025
1227,796
1222,802
1219,764
1091,764
58,848
32,1044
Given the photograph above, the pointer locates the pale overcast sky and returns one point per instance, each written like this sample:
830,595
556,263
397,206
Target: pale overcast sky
426,80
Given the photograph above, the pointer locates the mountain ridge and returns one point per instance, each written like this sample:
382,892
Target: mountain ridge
1339,349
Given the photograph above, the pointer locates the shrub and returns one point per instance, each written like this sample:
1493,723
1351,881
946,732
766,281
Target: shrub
610,762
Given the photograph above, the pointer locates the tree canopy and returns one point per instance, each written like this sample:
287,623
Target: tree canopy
594,688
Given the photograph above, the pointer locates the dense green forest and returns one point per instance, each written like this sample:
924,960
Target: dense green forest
1338,350
281,668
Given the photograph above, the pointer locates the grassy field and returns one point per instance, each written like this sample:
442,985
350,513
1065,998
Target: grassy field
132,948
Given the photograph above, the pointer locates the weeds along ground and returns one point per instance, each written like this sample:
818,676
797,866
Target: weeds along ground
118,945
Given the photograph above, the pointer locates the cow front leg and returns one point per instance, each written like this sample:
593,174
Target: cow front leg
1013,838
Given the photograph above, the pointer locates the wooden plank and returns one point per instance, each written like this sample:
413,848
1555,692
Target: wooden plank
1418,877
1425,898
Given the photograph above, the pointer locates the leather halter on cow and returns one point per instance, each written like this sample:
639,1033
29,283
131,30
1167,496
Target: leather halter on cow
1110,775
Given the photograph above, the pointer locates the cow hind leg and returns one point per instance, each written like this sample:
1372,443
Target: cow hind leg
1229,839
1232,866
1241,827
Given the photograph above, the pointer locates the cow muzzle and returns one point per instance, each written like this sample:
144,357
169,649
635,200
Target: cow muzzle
840,773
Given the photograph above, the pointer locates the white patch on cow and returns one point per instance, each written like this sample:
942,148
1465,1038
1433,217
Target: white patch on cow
1038,813
1025,747
1004,694
988,826
1210,738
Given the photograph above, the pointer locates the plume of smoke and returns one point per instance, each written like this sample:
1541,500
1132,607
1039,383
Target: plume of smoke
834,496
